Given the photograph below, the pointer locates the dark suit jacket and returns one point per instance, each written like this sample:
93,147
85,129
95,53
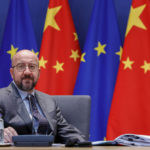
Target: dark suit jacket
14,113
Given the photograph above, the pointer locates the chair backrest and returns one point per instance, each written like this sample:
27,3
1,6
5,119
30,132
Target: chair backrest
76,110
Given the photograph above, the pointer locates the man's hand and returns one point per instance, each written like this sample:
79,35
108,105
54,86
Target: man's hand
8,133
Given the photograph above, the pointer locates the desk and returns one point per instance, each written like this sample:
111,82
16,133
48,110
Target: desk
75,148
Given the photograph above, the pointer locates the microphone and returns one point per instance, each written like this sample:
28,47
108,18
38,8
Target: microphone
76,143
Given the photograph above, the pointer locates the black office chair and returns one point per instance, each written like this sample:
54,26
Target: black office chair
76,110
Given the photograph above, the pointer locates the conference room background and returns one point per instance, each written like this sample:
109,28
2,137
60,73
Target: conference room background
81,12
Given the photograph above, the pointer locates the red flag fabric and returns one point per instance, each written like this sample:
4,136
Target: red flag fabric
60,53
130,110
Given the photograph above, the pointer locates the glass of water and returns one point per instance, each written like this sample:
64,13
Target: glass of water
1,130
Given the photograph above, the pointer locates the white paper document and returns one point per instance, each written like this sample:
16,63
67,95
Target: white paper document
126,140
133,140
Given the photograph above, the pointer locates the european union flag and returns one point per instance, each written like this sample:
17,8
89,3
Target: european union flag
99,65
18,35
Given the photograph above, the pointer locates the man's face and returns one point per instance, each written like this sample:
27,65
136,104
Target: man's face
25,71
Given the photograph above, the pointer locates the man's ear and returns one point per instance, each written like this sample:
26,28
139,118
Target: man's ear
11,72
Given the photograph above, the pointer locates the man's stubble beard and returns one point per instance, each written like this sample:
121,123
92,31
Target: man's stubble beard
28,86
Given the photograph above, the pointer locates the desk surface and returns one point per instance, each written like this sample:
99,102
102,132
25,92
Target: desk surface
75,148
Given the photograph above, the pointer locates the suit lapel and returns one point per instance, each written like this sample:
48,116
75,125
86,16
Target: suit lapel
21,109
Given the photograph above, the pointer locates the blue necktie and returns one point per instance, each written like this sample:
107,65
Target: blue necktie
43,127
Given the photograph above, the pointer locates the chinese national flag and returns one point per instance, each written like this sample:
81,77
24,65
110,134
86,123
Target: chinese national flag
60,53
130,109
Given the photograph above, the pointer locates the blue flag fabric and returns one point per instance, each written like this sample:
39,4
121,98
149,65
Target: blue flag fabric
99,65
18,35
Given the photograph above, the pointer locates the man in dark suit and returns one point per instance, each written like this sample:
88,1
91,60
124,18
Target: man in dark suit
15,104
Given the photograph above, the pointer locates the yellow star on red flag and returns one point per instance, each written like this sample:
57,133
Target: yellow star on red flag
134,18
146,66
58,66
42,62
74,55
127,63
75,36
50,18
